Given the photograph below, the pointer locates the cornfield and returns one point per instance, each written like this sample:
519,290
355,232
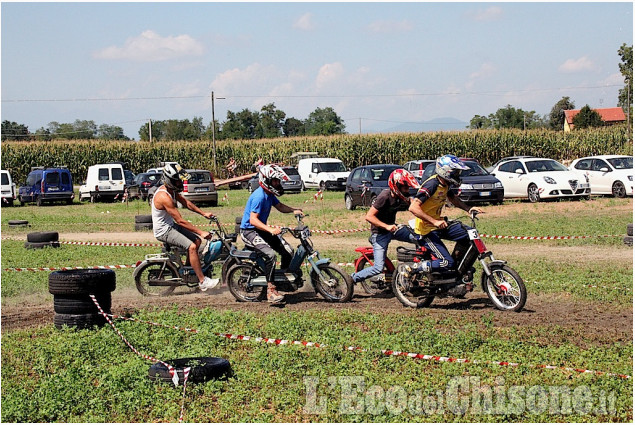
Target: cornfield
487,146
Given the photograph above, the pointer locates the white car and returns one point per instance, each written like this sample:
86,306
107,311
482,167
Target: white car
608,174
540,178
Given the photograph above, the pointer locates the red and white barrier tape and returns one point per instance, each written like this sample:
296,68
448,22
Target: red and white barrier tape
277,341
318,196
52,269
171,369
526,238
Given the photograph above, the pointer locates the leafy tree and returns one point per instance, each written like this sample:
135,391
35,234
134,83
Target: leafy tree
625,97
111,132
510,117
271,121
241,125
174,130
293,127
480,121
11,130
43,134
324,121
587,117
556,116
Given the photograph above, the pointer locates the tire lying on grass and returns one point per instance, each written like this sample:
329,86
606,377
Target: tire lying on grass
628,240
202,369
38,245
43,237
82,282
79,321
18,223
143,218
629,229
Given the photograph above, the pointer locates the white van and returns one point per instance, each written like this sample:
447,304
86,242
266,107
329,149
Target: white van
8,188
103,181
323,173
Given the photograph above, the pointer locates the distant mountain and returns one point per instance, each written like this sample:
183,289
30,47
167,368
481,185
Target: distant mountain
437,124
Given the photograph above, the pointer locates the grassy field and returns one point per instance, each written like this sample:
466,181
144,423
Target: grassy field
51,375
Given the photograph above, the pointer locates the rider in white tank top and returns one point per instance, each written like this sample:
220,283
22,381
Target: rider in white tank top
161,220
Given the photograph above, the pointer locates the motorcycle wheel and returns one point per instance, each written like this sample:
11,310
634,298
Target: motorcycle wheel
370,287
337,286
408,292
505,288
237,280
154,271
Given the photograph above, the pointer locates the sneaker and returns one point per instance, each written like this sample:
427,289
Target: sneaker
274,297
208,283
423,266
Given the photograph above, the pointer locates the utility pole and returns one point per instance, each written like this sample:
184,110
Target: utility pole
150,128
214,131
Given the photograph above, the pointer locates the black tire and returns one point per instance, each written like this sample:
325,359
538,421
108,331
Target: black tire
143,218
349,203
629,229
69,201
81,304
80,282
532,193
79,321
143,226
618,189
628,240
372,200
156,271
409,294
338,288
372,287
22,201
237,280
214,203
39,245
43,237
227,264
38,201
18,223
202,369
516,296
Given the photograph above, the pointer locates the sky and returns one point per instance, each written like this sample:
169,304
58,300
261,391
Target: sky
378,65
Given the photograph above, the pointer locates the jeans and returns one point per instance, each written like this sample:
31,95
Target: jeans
433,242
380,246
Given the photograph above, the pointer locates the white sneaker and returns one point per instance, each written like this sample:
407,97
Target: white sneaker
208,283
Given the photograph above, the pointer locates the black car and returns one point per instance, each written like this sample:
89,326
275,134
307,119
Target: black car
145,181
294,184
366,182
477,185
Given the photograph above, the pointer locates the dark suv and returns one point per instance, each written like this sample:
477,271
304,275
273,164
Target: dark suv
145,181
366,182
47,185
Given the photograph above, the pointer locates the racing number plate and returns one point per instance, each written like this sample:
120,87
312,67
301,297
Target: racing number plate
473,234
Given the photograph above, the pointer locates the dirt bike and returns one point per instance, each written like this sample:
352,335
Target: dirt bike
247,281
502,284
160,274
379,283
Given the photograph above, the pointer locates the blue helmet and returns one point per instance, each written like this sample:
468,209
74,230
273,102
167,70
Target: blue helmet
449,168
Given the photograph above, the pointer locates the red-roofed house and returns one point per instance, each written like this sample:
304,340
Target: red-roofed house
609,116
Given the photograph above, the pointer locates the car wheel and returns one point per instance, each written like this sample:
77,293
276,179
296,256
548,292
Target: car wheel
349,203
93,199
39,201
22,202
303,188
618,190
532,193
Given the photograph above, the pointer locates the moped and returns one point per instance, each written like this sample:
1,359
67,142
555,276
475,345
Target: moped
160,274
379,283
247,281
502,284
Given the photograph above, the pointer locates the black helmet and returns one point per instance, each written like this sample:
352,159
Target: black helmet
174,176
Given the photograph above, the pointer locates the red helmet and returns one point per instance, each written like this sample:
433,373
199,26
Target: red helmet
401,177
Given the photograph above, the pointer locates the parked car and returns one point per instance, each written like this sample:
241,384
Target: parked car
477,185
47,185
199,188
507,158
8,188
145,181
540,178
417,167
103,182
365,183
323,173
159,169
608,174
293,185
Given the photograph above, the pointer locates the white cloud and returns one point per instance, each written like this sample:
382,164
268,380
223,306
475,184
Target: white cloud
613,79
151,47
329,74
389,27
304,22
249,80
576,65
486,70
490,14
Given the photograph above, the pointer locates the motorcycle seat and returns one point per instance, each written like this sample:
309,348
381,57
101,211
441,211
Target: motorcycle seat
364,249
244,254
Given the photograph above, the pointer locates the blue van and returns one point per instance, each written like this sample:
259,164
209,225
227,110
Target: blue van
47,185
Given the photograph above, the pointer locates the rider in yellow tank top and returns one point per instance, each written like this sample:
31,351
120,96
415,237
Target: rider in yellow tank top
438,195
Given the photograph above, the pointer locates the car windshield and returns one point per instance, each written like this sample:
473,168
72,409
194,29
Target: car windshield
200,177
331,167
5,178
622,163
291,171
475,170
544,165
382,174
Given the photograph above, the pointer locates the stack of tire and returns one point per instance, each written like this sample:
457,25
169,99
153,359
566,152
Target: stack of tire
38,240
237,222
142,222
628,239
72,303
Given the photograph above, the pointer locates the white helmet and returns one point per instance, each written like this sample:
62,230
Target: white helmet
266,175
449,168
173,176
